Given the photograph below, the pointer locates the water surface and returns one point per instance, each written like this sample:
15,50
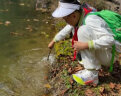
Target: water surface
24,35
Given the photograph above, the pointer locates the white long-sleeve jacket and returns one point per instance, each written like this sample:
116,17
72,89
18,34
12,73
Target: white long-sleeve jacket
64,32
102,34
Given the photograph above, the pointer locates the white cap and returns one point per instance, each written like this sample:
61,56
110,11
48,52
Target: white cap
65,9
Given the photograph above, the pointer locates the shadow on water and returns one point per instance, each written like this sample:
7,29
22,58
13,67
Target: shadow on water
24,35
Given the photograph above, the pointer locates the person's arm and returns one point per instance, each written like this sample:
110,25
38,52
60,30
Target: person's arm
78,45
51,44
103,33
61,35
96,35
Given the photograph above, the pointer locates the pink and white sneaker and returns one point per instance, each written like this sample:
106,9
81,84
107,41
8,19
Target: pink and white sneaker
86,77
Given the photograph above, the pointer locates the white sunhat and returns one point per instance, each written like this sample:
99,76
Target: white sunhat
64,9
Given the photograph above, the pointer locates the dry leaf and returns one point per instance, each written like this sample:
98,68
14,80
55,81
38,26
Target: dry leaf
21,4
89,92
47,86
35,20
71,81
7,23
102,89
28,20
112,85
44,95
66,65
63,91
78,69
118,86
46,77
29,28
69,70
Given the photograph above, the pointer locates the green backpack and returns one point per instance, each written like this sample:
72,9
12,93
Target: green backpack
113,20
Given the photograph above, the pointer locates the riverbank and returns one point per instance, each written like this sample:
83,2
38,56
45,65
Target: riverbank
61,71
61,81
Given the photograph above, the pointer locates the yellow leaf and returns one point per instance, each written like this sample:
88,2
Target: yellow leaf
47,85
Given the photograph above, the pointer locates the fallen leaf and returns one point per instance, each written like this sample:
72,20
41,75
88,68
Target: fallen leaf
113,93
112,85
28,20
89,92
43,33
21,4
71,81
66,65
29,28
47,86
69,70
78,69
63,91
46,22
7,23
35,20
46,77
102,89
44,95
118,86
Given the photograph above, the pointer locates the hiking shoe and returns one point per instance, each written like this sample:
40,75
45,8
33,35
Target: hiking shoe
86,77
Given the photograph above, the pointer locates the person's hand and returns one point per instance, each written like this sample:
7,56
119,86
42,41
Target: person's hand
51,44
80,45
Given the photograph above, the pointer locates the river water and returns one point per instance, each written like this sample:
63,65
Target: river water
24,36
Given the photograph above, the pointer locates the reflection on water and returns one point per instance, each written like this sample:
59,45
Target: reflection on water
24,35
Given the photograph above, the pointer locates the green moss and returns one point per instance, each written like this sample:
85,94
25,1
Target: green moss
63,48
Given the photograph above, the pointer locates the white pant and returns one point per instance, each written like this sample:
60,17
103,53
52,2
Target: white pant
93,59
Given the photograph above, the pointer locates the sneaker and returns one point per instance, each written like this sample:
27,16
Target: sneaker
86,77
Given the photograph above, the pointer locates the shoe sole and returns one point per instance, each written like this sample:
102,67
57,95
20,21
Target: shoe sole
80,81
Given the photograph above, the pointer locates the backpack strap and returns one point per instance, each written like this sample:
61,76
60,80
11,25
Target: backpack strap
113,57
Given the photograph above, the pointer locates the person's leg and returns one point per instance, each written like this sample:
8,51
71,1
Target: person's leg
92,60
89,58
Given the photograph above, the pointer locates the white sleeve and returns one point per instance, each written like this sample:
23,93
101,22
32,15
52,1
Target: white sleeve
103,42
63,33
101,32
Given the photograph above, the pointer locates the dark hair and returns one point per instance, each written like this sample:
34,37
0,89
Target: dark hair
70,1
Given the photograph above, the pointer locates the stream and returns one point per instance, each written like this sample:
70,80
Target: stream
24,36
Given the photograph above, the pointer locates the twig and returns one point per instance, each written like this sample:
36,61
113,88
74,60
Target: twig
49,54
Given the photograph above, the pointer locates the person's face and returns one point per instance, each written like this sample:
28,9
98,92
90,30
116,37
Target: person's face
73,18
